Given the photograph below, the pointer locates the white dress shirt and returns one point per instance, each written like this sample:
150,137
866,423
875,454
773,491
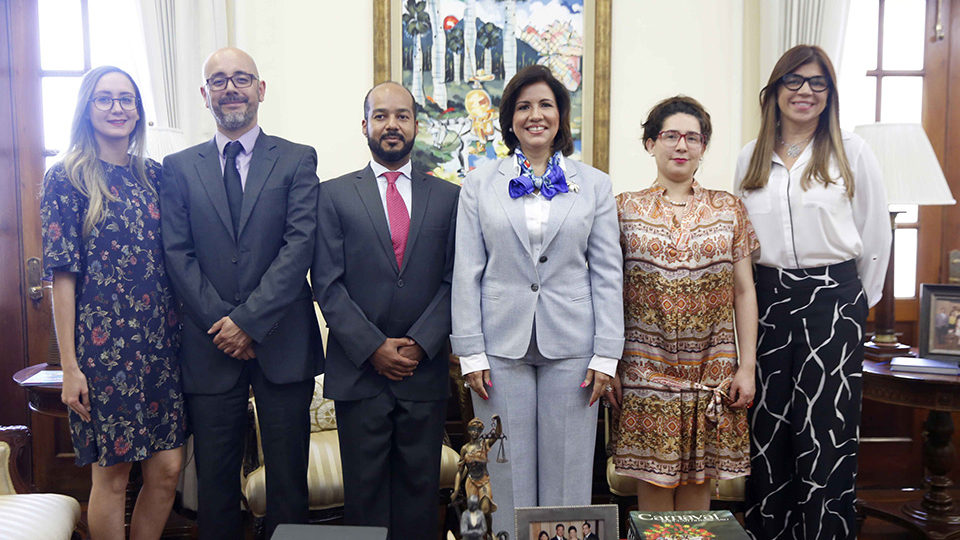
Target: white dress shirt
537,211
821,226
403,185
247,140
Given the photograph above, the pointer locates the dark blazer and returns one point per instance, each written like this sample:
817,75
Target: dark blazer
365,298
258,277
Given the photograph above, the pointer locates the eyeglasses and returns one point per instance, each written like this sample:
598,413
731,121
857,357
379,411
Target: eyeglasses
105,103
795,82
671,137
240,80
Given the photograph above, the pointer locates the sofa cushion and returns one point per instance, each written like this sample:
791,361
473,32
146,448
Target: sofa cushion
31,516
325,475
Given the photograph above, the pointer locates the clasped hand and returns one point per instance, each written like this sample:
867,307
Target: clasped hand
231,339
397,358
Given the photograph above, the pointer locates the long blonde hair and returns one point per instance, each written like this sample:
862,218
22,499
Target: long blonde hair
81,162
827,139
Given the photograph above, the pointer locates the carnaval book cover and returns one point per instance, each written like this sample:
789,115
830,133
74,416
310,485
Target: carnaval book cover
690,525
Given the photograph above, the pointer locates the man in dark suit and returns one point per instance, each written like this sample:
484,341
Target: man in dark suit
560,532
239,226
381,275
588,533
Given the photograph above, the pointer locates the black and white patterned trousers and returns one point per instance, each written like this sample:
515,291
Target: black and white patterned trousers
804,428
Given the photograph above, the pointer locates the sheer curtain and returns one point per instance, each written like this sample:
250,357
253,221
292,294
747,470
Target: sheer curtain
794,22
179,35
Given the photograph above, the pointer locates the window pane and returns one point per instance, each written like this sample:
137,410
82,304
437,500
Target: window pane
857,91
905,263
902,99
50,161
116,39
59,102
61,35
903,22
908,212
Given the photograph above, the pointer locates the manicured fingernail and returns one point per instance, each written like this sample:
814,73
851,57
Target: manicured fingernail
485,398
490,384
584,385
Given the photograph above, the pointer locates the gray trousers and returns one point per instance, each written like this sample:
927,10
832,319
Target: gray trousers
551,433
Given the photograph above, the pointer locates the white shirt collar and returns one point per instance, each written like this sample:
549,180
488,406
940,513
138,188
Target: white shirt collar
406,170
248,139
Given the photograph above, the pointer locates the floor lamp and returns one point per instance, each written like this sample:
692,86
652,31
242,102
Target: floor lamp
911,175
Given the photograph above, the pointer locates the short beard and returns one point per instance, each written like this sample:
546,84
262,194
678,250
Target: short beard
234,120
390,156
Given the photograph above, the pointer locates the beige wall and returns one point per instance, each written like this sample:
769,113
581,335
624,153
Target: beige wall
317,69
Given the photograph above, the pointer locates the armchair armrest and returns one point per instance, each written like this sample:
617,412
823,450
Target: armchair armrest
13,444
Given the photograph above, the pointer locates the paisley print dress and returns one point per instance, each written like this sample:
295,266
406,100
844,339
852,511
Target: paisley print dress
680,356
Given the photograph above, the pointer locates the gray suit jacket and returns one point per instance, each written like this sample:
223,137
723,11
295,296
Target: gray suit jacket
365,298
572,290
258,278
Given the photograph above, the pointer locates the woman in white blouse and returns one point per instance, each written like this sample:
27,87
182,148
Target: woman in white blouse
537,299
816,199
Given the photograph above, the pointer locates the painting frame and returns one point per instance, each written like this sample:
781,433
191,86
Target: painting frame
935,296
599,11
606,513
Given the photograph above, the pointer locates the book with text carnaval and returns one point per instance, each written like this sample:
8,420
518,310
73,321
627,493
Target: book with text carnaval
690,525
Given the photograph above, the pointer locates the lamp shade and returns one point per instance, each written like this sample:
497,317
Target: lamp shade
911,172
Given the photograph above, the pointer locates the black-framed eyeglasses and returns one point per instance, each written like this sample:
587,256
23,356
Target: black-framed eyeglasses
240,80
105,103
671,137
818,83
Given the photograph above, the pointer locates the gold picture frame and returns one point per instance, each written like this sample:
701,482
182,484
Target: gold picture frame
596,59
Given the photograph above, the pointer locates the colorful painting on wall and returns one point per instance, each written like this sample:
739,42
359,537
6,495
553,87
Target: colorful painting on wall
456,58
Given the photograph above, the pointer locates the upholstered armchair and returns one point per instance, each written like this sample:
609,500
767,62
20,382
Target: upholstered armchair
25,515
325,476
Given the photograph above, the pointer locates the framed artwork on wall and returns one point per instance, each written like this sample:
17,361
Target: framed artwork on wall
456,56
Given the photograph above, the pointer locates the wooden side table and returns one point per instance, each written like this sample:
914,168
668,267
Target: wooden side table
45,398
936,515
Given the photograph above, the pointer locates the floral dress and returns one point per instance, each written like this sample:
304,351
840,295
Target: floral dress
127,332
680,356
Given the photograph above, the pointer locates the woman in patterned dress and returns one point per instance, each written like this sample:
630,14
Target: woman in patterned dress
687,280
816,196
113,311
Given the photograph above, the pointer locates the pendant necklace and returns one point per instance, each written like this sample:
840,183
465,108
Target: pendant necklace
793,150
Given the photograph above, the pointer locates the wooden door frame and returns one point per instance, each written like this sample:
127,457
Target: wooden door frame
27,325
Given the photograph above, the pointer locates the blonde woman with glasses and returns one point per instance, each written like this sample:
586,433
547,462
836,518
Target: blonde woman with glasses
113,311
816,195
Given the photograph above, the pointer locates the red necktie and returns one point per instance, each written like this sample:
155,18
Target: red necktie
398,216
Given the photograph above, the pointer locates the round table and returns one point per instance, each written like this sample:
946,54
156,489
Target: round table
42,398
936,515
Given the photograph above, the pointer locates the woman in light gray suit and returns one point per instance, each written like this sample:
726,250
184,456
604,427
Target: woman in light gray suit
538,299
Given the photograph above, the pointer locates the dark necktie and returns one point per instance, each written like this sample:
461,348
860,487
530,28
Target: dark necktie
231,181
398,216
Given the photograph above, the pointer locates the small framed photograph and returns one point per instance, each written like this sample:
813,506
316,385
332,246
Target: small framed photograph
597,522
939,323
